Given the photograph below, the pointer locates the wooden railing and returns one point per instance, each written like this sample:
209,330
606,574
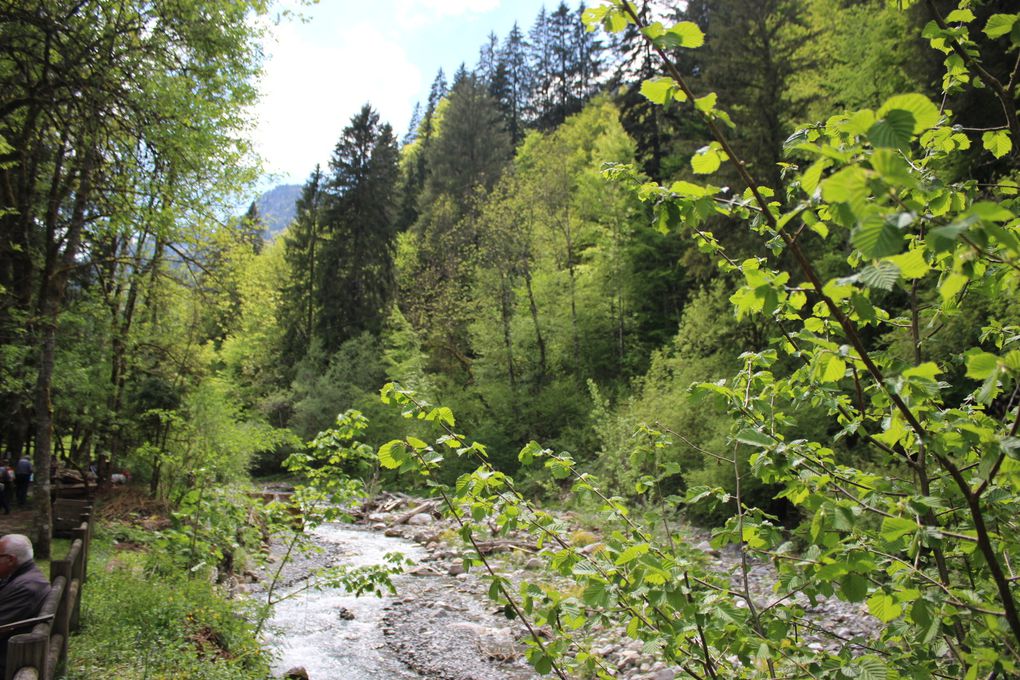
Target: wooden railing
36,655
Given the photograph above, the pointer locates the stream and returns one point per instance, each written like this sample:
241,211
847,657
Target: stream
441,625
436,626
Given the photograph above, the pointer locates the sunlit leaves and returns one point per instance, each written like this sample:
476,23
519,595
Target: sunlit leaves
997,142
662,90
708,159
981,365
884,607
684,34
1000,24
902,117
911,264
894,129
631,553
612,19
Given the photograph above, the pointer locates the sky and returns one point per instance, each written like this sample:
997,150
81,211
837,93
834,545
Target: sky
321,70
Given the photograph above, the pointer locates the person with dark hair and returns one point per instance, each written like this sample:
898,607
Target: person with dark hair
22,478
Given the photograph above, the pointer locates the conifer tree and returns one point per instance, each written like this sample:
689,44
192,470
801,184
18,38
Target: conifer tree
355,272
514,83
473,146
301,240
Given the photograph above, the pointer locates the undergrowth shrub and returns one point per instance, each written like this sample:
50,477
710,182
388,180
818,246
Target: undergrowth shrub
137,623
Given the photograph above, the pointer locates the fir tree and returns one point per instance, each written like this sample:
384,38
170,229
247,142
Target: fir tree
355,272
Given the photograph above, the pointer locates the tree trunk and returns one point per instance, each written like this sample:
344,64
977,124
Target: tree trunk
538,328
51,291
507,313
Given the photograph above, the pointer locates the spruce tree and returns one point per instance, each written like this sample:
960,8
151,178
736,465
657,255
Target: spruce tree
355,271
516,83
301,241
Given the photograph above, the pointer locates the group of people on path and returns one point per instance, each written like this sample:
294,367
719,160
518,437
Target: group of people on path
15,479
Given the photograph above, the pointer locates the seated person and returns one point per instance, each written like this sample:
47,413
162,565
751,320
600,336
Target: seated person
23,588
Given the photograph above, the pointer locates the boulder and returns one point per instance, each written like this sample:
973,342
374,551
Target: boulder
420,519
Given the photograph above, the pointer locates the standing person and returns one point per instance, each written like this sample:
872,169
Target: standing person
6,487
22,478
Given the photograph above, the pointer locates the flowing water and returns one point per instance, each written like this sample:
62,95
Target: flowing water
313,628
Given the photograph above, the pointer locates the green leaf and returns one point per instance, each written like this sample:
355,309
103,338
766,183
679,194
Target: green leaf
893,168
707,103
813,175
981,365
877,237
884,607
872,668
632,553
882,275
1000,24
895,129
893,528
990,212
997,142
911,264
754,438
596,594
951,285
706,161
961,16
835,369
849,184
1012,360
662,90
925,113
685,188
854,587
685,34
442,414
386,454
929,370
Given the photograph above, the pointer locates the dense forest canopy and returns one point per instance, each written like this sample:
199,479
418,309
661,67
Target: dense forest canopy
805,207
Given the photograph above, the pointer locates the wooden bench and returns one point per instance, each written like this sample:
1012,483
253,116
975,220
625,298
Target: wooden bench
37,654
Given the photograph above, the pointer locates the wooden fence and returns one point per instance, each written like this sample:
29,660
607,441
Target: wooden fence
36,655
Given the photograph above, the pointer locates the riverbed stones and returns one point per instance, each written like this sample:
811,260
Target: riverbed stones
296,673
421,519
419,631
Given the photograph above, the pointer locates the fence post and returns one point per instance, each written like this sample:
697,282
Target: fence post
28,649
62,620
83,532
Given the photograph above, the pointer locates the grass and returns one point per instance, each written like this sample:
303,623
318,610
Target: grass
144,624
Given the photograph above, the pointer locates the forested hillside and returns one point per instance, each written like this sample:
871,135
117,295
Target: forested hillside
806,209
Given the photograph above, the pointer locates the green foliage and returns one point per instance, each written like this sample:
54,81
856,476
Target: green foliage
140,624
917,523
217,529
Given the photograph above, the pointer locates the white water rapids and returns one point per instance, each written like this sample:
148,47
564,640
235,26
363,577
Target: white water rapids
307,629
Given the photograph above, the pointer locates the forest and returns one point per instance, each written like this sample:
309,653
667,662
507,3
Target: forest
750,265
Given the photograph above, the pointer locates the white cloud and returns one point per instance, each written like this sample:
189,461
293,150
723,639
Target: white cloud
311,88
